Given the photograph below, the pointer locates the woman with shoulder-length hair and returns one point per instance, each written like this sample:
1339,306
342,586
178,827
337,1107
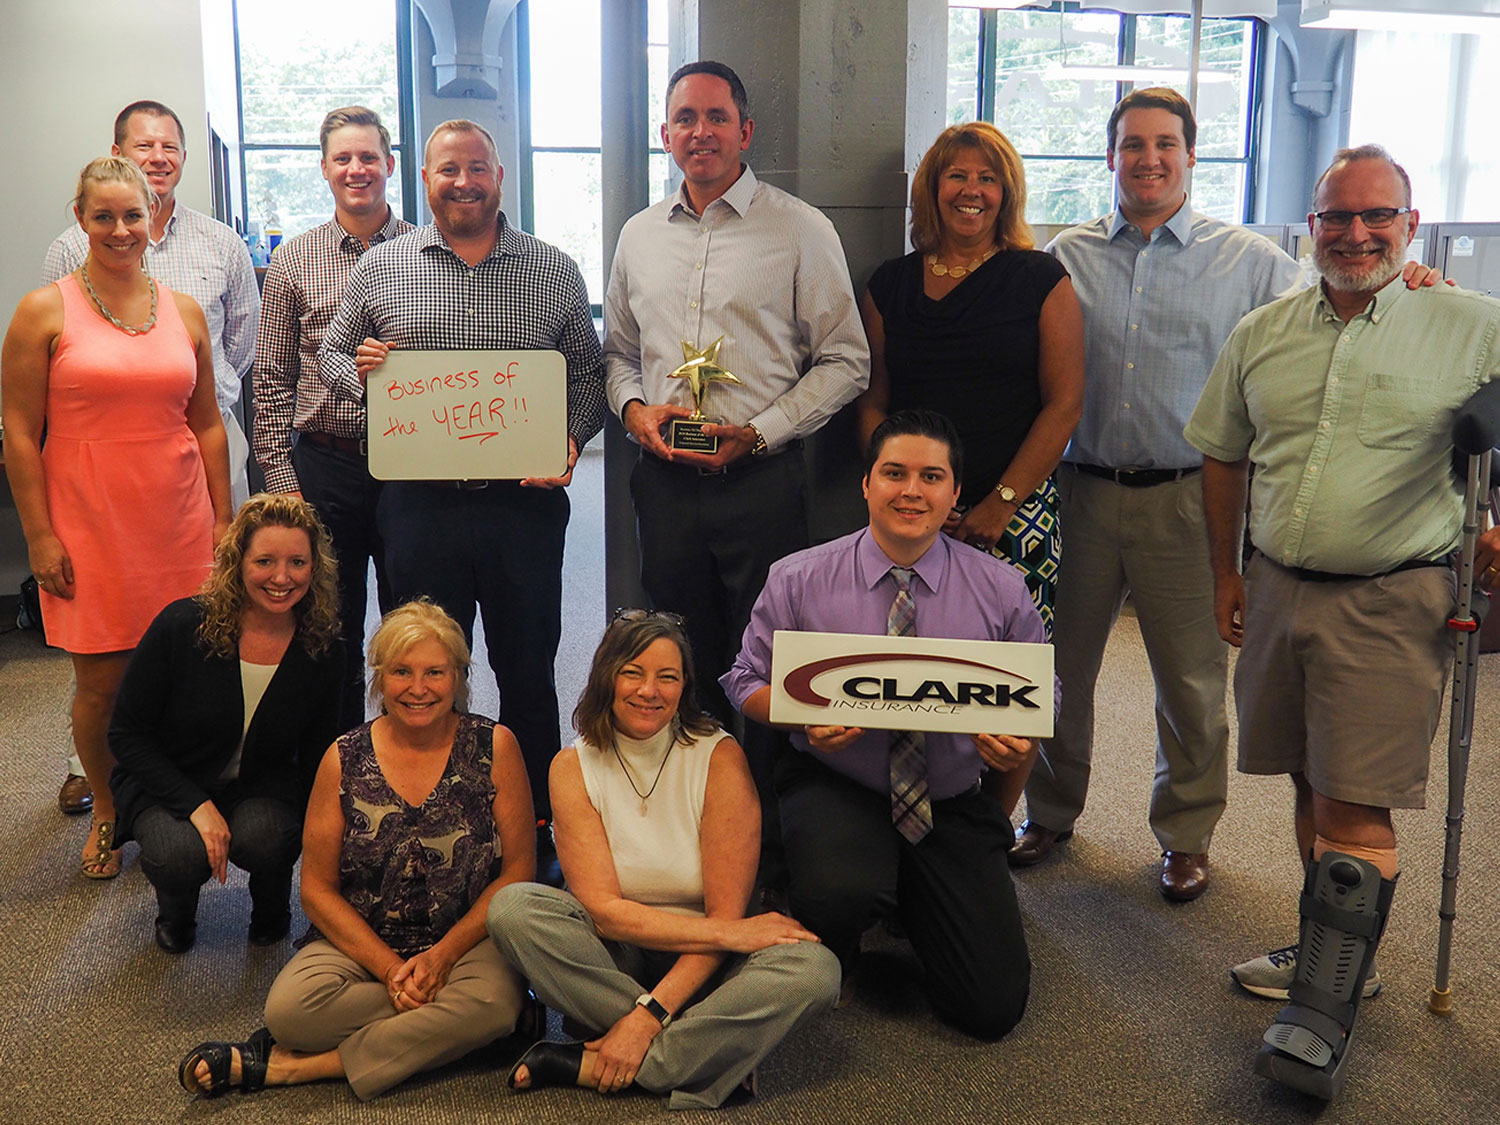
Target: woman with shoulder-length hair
416,820
977,324
658,834
222,716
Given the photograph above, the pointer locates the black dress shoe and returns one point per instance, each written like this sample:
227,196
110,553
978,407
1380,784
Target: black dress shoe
75,796
268,931
175,937
1184,875
1035,843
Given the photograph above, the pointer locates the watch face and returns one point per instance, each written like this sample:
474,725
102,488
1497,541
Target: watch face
1007,493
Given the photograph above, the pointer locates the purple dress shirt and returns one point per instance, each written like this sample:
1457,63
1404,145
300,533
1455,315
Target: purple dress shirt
845,586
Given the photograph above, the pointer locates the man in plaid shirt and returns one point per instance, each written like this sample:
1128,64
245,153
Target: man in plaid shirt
327,465
471,280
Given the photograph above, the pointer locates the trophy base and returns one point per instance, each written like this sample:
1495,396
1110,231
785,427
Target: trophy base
687,435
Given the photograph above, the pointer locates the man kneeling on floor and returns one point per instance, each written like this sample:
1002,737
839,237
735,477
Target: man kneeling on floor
1344,397
875,821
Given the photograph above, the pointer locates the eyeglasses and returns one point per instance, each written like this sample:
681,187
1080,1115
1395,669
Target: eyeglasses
629,613
1376,218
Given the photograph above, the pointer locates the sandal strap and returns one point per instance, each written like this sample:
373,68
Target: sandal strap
218,1056
255,1054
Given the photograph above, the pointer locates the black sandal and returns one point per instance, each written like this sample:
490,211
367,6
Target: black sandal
255,1053
549,1064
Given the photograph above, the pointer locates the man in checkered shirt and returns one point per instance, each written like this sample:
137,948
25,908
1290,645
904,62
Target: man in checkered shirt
471,280
304,286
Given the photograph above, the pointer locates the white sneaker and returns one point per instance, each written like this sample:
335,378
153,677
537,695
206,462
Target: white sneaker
1271,976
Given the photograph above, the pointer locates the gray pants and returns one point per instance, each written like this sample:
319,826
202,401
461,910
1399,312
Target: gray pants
324,999
749,1007
1150,543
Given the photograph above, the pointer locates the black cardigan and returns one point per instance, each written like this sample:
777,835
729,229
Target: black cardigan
180,711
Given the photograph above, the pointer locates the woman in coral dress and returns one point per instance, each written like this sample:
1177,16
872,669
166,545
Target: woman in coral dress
123,504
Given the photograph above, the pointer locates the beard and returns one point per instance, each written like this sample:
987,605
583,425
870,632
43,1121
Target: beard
1364,278
465,222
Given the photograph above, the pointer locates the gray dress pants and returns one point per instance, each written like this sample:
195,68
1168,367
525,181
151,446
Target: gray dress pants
739,1017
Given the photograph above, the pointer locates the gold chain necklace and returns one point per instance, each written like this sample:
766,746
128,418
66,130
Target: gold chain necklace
955,272
128,329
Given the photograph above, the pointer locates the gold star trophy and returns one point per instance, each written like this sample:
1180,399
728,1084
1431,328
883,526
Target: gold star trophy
700,369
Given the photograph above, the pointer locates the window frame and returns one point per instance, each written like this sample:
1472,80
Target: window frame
404,123
1125,53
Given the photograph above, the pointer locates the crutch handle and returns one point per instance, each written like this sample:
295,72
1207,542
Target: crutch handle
1476,427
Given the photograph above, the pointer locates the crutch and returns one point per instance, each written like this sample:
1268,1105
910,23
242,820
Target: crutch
1476,432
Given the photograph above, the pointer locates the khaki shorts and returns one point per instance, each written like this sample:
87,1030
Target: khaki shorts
1344,681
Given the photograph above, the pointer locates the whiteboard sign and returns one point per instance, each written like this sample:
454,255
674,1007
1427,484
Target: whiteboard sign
468,415
911,683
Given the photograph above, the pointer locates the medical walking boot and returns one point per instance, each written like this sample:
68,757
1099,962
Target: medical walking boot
1345,903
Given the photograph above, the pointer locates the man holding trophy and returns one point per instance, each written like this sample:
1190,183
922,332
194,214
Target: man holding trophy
731,333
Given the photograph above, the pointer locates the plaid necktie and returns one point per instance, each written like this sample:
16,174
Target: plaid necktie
911,808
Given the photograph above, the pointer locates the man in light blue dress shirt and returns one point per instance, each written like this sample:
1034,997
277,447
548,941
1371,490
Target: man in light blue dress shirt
1161,288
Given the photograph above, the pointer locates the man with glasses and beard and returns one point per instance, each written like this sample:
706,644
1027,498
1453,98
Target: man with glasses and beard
1343,397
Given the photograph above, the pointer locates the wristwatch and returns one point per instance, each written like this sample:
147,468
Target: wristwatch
655,1007
759,448
1007,493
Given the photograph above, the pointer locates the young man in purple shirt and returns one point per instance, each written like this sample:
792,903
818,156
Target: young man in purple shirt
852,854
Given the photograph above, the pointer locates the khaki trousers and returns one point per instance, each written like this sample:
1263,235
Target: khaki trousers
324,1000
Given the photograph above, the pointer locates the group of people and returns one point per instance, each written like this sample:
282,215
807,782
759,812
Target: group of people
1009,400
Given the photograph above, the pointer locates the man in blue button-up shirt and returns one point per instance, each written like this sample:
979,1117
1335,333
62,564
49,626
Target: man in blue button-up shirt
1161,288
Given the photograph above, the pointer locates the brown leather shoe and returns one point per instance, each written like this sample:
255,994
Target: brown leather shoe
75,796
1035,843
1184,875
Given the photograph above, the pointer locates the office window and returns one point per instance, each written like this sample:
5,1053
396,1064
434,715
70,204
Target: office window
298,61
560,187
1049,78
1445,143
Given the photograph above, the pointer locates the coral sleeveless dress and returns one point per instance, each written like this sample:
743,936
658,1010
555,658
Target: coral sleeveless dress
126,490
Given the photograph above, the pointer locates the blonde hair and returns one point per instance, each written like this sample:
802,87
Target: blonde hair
223,596
1011,229
409,625
112,170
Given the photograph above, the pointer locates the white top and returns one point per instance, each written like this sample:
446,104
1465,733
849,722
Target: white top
658,861
254,679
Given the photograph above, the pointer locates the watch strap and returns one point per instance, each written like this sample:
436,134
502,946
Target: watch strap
655,1007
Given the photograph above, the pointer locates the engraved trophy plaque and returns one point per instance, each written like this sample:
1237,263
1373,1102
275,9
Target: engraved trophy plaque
701,369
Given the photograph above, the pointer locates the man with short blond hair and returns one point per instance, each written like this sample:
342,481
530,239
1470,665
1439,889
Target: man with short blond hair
303,289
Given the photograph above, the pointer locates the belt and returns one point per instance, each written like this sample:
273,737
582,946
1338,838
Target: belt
333,441
1136,478
1329,576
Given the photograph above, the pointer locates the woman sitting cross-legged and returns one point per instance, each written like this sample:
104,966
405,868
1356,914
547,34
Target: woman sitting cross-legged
415,820
223,715
658,828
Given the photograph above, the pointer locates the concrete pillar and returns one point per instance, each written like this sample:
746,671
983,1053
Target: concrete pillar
846,96
625,172
1308,89
464,64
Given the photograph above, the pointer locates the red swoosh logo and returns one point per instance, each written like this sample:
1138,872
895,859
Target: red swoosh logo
798,682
